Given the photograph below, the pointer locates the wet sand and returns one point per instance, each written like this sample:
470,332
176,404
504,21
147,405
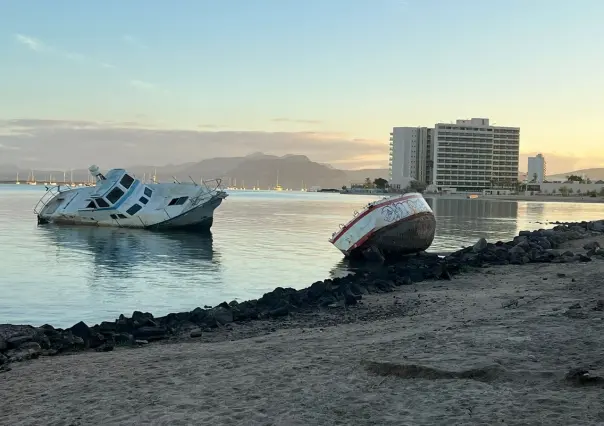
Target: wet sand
490,347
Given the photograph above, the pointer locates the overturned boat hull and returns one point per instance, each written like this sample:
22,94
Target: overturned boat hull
390,227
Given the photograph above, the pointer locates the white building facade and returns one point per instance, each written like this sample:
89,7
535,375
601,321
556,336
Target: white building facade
536,169
470,155
410,151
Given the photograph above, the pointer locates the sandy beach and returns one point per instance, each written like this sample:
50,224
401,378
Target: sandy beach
488,347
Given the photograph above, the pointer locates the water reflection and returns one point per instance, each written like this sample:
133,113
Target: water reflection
119,252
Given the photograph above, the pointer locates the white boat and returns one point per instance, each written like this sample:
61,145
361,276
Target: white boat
120,199
389,227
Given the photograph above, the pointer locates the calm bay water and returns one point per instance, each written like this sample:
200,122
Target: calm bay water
260,240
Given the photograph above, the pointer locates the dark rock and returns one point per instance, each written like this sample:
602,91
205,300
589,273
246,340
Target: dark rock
599,306
480,245
150,333
123,338
3,344
220,316
593,245
582,377
81,330
195,333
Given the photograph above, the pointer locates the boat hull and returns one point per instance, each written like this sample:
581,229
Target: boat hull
199,219
122,201
411,235
392,227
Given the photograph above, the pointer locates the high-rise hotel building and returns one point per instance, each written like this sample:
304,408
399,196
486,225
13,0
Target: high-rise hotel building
470,155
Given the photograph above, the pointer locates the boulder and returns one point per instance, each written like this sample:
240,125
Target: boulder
593,245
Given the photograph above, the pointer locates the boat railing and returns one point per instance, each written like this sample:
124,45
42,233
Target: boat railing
51,192
212,185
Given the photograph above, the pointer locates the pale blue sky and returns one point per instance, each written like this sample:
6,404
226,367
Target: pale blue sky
352,68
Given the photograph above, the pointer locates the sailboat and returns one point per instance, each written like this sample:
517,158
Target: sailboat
32,179
17,182
278,187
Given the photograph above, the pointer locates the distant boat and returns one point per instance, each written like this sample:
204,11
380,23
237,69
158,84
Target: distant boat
17,181
31,180
121,200
277,187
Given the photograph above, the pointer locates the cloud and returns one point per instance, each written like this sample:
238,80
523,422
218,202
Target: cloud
139,84
148,87
8,147
30,42
36,45
76,143
296,121
134,42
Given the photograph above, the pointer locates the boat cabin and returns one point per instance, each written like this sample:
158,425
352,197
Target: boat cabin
115,189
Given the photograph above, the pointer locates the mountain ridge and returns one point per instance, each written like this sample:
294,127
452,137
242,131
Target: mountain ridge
292,171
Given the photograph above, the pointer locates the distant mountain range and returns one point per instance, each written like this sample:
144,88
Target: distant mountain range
593,174
257,169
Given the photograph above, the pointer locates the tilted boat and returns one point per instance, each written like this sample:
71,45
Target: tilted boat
120,199
387,228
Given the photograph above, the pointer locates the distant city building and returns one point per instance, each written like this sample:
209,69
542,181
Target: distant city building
536,169
470,155
410,155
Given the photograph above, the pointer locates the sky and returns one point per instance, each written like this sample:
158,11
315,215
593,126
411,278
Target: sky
142,82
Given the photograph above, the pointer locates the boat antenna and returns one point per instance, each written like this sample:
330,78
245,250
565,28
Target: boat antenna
175,180
194,183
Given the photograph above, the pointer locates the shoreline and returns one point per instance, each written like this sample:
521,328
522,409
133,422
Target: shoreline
527,198
24,342
502,343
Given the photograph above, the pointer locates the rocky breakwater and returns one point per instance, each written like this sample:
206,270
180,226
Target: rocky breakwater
540,246
21,342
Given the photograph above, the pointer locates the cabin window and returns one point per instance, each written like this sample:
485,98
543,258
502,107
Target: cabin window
127,181
143,200
134,209
121,216
91,205
113,216
114,195
102,203
148,192
178,201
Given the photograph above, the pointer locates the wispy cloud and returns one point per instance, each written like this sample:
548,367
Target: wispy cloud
148,87
134,42
143,85
37,45
9,147
30,42
296,121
